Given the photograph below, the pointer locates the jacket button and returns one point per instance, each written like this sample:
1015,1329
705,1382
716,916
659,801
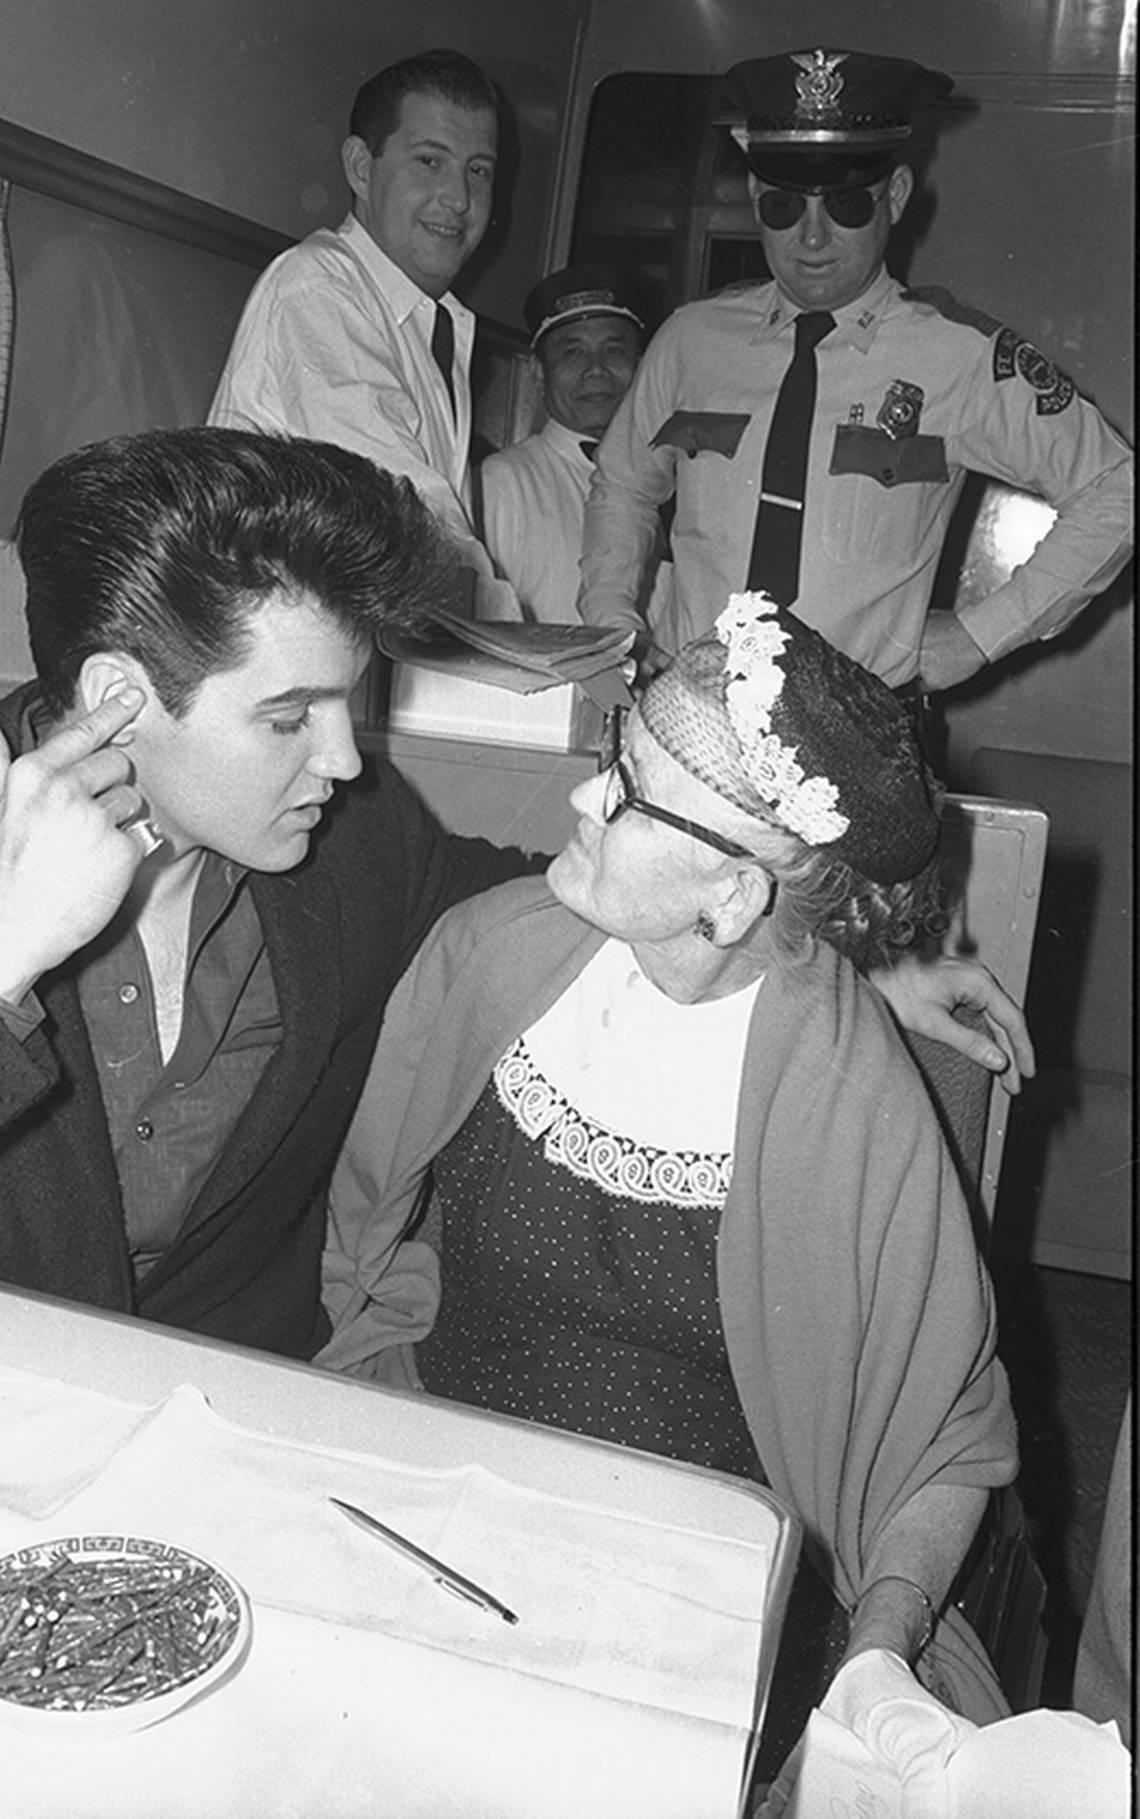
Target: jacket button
144,1130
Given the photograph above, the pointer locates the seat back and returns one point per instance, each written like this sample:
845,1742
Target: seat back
995,855
995,858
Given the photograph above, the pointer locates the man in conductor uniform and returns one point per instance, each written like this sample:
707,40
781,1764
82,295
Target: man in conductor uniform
587,332
816,430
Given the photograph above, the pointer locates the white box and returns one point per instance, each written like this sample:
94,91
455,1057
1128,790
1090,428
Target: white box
560,719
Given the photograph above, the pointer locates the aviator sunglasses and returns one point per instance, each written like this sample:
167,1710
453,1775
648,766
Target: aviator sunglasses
620,796
782,208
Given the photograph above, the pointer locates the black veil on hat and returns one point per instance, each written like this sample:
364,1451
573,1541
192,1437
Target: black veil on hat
764,710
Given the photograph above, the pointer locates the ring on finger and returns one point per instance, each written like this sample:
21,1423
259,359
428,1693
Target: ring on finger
146,833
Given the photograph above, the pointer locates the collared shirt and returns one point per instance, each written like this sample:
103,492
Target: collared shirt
335,343
696,421
21,1019
169,1122
534,504
619,1051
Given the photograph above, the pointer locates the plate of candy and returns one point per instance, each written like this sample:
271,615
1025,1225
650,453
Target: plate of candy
109,1633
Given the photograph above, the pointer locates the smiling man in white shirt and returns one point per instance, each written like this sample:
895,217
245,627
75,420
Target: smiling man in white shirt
354,336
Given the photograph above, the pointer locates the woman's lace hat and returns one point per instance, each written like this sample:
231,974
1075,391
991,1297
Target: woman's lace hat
765,711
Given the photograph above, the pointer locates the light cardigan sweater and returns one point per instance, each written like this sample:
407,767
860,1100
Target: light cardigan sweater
857,1315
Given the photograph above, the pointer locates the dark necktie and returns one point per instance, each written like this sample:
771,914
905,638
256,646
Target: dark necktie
775,564
443,348
589,449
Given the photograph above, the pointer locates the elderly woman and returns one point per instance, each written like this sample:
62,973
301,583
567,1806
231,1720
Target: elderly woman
686,1188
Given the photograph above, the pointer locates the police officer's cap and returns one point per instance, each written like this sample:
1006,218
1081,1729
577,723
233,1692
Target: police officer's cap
825,118
578,291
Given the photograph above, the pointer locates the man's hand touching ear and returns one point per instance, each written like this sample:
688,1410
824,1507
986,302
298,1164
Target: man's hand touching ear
66,861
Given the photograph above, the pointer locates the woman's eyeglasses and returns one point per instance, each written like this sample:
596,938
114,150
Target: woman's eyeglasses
619,797
782,208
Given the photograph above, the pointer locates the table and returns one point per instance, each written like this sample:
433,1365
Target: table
422,1705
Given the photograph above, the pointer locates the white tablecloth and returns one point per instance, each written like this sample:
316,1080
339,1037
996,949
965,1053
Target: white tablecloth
627,1687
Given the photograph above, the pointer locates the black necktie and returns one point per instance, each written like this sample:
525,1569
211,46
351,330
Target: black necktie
589,449
775,564
443,348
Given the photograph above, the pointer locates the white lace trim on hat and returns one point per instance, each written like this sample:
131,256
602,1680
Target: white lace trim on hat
755,643
615,1164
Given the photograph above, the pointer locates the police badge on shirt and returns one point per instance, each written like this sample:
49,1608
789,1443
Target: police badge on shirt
894,452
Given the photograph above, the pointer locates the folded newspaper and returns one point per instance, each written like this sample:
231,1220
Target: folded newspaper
523,658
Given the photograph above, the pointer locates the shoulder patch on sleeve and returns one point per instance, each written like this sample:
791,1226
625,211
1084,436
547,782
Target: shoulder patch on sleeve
947,305
1014,356
1005,354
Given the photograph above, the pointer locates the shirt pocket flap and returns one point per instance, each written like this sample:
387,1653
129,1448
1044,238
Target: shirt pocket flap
892,461
693,432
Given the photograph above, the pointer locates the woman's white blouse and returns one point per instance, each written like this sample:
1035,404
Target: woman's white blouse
634,1061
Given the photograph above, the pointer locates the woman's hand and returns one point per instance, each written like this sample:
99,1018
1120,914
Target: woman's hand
877,1698
924,994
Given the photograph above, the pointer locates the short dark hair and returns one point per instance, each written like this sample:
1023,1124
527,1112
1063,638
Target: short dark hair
376,109
164,545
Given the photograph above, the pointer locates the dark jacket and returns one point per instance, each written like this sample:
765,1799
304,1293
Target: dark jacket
245,1267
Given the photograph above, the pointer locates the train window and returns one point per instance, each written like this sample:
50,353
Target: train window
734,259
662,192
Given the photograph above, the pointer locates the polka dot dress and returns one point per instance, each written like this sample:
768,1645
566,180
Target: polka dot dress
579,1263
568,1301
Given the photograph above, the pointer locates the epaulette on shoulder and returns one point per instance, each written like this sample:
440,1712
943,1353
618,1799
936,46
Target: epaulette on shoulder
947,305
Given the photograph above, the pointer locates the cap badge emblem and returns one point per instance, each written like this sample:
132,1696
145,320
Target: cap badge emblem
819,84
583,300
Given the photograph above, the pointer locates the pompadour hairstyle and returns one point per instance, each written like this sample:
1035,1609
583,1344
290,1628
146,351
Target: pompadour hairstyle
446,73
164,545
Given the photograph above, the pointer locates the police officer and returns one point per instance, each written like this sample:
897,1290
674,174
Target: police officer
816,430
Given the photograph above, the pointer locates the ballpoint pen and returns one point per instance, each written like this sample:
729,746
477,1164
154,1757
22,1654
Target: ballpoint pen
443,1575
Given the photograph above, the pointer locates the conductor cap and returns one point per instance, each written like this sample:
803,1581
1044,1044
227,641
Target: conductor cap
578,291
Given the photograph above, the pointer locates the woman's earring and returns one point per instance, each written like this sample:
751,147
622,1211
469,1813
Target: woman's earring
705,927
